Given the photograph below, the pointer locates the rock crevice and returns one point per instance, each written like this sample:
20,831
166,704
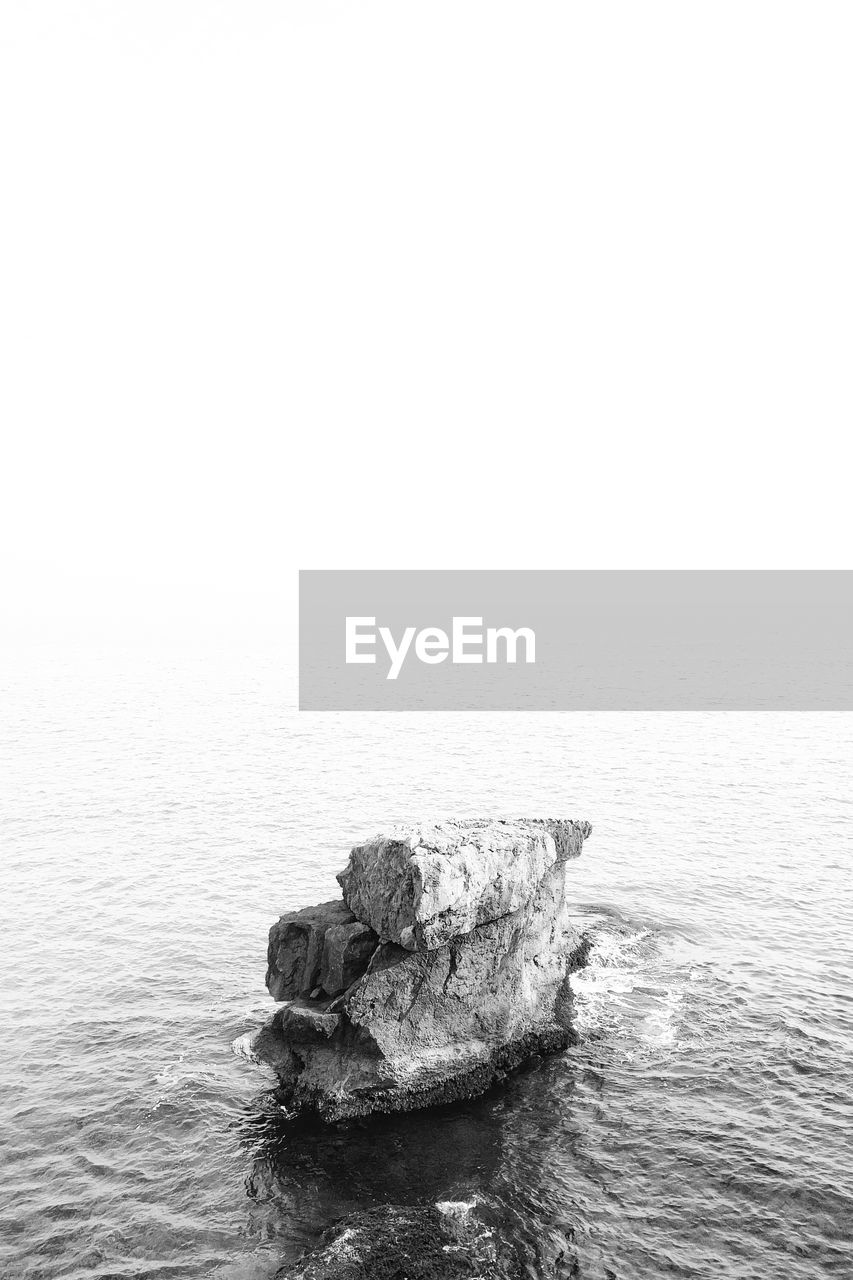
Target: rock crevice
445,966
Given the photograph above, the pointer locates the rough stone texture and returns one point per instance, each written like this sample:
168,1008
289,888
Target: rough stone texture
416,1027
445,1241
347,948
316,946
306,1021
422,886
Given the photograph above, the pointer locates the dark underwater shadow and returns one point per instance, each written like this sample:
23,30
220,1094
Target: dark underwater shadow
499,1150
406,1158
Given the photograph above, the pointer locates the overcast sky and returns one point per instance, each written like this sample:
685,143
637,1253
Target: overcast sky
415,285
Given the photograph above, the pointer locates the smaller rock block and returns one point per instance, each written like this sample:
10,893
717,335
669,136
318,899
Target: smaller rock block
295,952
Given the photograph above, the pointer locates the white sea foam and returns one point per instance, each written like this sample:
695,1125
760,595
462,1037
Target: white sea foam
456,1208
632,987
242,1047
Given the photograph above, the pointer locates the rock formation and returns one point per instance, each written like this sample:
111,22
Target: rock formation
445,967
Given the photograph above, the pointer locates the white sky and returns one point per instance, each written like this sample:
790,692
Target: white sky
415,285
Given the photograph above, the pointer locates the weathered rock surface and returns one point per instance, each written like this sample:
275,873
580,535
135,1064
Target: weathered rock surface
422,886
445,1241
480,984
322,947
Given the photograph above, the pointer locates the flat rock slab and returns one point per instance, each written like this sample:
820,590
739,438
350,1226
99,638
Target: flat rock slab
303,1021
423,886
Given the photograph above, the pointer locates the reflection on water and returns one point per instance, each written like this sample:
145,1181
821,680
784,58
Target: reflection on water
453,1153
402,1159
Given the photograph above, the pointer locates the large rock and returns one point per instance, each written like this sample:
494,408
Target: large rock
445,1241
372,1025
422,886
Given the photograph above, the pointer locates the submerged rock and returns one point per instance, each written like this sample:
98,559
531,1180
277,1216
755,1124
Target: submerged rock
446,968
433,1242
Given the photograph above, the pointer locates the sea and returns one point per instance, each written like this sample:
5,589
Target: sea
159,808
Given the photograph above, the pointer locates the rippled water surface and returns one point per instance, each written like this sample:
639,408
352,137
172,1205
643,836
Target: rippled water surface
160,809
